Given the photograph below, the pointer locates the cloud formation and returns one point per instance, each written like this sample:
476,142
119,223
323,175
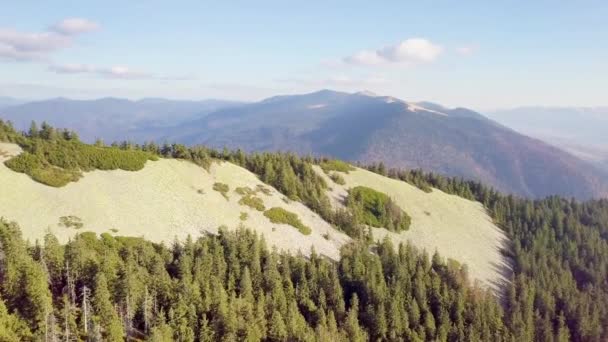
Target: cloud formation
119,72
26,46
72,26
466,50
410,52
113,72
36,46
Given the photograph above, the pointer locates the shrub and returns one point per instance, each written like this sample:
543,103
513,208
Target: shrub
336,165
376,209
243,216
338,179
244,190
71,222
263,189
222,188
58,162
280,215
253,202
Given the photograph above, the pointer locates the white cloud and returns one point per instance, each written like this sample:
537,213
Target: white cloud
71,68
35,46
26,46
113,72
466,50
72,26
409,52
365,57
120,72
123,72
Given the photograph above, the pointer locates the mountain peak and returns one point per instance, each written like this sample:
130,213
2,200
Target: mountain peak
366,93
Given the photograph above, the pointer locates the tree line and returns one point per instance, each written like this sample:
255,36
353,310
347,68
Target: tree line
231,287
558,291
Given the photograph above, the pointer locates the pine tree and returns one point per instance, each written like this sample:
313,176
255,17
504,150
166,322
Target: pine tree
33,132
12,329
108,320
277,331
353,330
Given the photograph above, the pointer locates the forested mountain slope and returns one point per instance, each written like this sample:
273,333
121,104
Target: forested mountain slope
355,127
230,286
459,229
368,128
167,199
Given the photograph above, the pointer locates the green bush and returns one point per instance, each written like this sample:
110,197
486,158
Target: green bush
253,202
244,190
243,216
336,165
261,188
280,215
71,222
338,179
58,162
222,188
377,209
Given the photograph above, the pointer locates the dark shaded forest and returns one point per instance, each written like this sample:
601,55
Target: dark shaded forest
231,287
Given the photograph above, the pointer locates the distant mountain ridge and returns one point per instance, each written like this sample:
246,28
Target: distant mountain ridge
111,118
371,128
6,101
350,126
582,131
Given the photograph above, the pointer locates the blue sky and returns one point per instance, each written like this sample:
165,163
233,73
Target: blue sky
479,54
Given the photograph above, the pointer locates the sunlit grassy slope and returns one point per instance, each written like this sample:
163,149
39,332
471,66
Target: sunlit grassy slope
168,198
458,228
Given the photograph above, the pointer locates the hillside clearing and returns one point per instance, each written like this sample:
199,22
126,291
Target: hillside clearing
168,198
457,228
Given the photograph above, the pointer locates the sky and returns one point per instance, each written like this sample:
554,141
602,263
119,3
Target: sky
476,54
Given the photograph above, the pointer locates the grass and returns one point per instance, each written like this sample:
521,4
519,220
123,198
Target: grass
376,209
253,202
336,165
71,222
222,188
280,215
59,162
338,179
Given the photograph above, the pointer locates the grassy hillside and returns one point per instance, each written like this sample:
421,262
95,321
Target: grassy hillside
558,248
168,198
458,228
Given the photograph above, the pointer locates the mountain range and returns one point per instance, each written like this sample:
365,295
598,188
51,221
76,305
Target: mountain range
351,126
582,131
6,101
111,119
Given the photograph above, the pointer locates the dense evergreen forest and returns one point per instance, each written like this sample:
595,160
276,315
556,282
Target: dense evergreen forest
231,287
